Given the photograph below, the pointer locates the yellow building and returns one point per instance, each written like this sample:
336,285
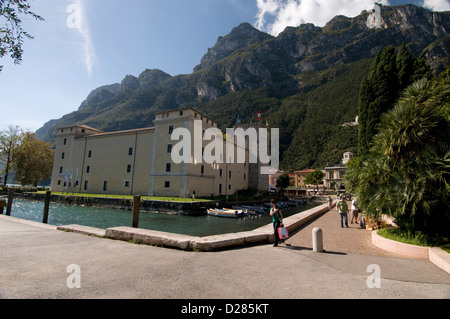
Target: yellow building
300,177
140,162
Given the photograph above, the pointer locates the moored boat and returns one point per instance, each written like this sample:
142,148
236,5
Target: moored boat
225,212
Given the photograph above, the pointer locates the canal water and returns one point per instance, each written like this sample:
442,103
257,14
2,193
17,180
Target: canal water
203,225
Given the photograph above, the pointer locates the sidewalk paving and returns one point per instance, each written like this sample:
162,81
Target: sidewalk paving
35,258
351,250
352,240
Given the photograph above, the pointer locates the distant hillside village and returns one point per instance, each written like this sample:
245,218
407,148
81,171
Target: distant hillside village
332,180
140,162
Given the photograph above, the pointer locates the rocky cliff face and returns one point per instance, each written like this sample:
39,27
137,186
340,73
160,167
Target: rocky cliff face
299,60
250,59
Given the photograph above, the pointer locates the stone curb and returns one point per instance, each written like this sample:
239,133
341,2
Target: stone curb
150,237
84,230
262,235
29,222
435,255
440,258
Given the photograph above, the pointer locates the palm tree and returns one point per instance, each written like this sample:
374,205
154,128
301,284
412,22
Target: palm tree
407,172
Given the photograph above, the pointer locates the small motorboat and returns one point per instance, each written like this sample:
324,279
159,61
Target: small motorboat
252,211
226,212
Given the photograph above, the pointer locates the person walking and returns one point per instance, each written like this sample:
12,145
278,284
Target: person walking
355,211
342,208
329,202
277,219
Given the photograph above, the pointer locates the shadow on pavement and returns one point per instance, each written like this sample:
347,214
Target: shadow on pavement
291,247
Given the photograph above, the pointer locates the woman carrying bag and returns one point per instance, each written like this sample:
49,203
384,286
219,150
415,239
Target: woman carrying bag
277,219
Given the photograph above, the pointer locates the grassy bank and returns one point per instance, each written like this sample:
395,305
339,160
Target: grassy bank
418,239
151,198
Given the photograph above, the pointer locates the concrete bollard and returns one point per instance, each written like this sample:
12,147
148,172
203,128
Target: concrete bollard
317,240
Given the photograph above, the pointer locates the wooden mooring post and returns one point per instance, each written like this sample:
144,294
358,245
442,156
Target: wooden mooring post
46,207
136,211
10,201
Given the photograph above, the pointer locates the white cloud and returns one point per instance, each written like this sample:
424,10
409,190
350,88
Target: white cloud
437,5
275,15
77,20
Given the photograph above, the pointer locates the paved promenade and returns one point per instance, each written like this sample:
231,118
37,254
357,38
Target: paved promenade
34,261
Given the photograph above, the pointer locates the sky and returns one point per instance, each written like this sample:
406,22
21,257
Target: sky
84,44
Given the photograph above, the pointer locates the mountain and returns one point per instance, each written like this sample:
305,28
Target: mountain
305,81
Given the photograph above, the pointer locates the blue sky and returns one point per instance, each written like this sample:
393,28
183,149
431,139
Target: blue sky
84,44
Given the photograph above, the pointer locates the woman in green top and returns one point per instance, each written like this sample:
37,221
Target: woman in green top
277,219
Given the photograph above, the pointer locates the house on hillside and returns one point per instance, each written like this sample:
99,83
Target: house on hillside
335,172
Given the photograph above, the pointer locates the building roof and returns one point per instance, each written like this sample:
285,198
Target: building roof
121,132
305,171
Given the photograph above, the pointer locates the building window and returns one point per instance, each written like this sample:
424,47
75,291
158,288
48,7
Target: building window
167,185
60,170
130,151
245,176
168,167
90,154
59,183
229,186
65,141
129,168
170,130
77,183
229,174
88,169
202,169
86,185
62,155
105,186
221,172
127,184
181,113
169,149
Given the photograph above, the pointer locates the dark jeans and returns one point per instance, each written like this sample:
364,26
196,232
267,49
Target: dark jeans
277,239
344,216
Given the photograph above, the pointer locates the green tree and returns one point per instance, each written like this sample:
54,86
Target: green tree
378,93
407,173
389,75
33,160
10,139
405,63
283,182
315,178
12,35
